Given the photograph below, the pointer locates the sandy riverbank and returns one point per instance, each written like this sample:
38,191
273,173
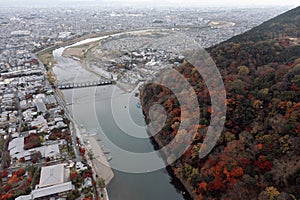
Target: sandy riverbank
100,163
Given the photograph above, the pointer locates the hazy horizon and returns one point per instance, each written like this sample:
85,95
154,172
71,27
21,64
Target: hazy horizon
148,3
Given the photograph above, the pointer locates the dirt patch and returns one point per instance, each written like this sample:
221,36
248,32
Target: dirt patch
47,59
78,52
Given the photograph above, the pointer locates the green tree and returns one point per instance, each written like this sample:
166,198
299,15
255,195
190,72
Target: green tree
91,155
70,196
101,183
243,71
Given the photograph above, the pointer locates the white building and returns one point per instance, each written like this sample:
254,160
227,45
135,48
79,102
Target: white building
54,184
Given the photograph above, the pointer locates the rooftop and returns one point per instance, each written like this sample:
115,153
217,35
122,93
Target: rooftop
52,175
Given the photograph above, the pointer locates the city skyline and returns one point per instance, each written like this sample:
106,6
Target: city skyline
148,3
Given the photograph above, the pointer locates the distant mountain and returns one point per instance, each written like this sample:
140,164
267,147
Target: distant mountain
258,155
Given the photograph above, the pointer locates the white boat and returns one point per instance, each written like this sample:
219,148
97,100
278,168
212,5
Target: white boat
93,132
106,151
109,158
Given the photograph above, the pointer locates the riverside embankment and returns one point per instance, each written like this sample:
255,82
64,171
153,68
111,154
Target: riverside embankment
92,107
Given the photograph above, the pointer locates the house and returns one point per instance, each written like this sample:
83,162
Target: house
39,122
50,100
16,146
28,115
16,150
40,105
61,125
50,151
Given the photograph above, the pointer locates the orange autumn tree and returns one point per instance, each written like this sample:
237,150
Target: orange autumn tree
226,168
14,179
202,187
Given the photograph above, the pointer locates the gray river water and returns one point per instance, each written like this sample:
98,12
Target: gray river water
122,126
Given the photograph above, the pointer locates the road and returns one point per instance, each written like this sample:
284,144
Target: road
59,98
73,129
19,111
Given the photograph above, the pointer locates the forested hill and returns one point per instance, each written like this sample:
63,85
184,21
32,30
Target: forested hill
258,154
273,41
285,24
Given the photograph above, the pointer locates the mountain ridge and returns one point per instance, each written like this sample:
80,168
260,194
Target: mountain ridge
257,156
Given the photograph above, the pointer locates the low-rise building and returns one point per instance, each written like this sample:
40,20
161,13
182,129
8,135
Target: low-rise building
54,184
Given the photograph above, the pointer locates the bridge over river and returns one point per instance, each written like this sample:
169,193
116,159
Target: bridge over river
64,86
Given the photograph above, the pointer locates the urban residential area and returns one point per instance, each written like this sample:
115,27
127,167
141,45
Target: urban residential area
45,152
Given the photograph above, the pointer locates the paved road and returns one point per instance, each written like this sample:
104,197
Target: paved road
73,129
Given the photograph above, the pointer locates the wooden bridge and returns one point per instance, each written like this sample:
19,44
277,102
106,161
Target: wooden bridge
65,86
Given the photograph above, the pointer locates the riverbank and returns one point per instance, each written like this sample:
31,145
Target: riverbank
100,166
46,55
99,161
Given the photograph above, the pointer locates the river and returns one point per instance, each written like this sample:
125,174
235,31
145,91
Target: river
115,115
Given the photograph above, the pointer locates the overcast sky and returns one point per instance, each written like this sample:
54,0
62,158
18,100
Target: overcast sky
149,3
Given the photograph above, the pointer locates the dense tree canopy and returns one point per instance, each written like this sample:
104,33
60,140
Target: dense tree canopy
258,155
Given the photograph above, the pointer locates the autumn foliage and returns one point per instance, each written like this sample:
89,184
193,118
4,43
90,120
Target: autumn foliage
261,73
32,141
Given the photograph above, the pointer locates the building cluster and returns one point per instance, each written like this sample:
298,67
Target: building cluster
57,182
131,67
31,118
34,129
31,29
